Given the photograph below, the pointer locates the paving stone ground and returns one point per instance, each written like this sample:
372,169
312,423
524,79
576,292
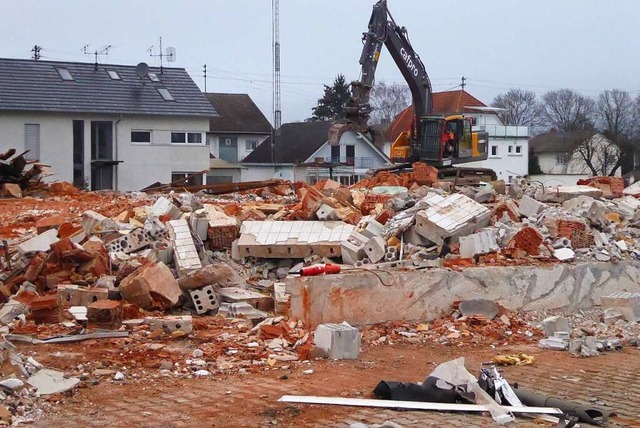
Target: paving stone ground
251,400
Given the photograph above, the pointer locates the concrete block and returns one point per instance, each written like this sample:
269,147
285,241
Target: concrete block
92,294
627,303
170,324
454,216
338,341
553,324
351,253
200,226
164,207
554,343
529,207
184,249
39,243
375,249
205,299
373,228
236,294
151,286
94,223
69,295
241,310
478,243
281,299
164,251
325,212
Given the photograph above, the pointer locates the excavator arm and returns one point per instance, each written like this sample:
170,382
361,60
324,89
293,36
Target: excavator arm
382,30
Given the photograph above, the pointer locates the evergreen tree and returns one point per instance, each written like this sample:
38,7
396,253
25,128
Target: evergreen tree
331,105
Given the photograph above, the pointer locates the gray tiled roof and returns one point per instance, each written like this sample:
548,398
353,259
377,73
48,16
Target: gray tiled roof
296,143
559,142
28,85
238,114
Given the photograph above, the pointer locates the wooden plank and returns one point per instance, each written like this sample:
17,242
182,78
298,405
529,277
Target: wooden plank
415,405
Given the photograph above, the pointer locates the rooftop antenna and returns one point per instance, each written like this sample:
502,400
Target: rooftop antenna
104,51
170,54
36,52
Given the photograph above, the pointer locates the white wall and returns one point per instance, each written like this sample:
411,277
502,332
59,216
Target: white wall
261,172
506,164
575,162
559,179
213,139
142,164
366,157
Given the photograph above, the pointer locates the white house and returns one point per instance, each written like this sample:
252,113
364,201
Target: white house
105,126
301,152
508,144
563,156
238,130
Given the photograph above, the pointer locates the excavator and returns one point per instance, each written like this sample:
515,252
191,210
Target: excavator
439,141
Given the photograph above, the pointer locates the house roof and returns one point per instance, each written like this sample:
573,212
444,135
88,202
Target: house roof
448,102
297,141
29,85
559,142
238,114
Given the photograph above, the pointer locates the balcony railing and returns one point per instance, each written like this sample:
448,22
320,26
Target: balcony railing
504,131
356,162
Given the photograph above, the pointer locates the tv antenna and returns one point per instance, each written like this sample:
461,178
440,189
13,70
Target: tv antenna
169,53
104,51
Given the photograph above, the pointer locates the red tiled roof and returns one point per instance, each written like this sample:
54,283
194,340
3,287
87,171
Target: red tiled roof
449,102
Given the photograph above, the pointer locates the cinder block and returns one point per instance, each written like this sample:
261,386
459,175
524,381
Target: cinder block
529,207
351,252
95,223
171,324
200,226
205,299
133,241
69,295
338,341
325,212
164,206
375,249
92,295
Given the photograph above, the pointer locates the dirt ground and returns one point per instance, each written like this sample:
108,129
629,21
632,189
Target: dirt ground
251,399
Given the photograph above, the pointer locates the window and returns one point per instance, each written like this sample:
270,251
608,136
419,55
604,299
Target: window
165,94
114,75
510,149
194,138
64,74
186,137
494,150
32,141
251,145
562,158
140,136
519,150
195,179
153,77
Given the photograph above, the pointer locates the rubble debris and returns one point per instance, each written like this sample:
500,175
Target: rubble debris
184,249
151,286
627,304
483,307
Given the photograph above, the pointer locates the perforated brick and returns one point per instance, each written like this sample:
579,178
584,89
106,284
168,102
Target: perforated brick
205,299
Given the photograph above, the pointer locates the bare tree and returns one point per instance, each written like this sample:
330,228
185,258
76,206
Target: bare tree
388,100
520,108
615,115
566,110
599,154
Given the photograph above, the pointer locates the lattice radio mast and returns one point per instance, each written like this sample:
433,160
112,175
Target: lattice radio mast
275,36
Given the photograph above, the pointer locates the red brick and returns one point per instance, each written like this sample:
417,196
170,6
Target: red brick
47,223
527,239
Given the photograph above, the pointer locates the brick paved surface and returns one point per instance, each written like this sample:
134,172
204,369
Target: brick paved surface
251,399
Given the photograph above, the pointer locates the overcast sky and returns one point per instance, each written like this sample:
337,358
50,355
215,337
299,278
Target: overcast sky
585,45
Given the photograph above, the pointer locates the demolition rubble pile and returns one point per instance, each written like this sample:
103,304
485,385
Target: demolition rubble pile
144,273
16,176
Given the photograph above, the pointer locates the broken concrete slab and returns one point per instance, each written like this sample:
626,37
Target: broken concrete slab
482,242
164,207
151,286
236,294
454,216
564,193
564,254
292,239
49,382
554,324
529,207
338,341
487,308
39,243
627,303
185,253
169,324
